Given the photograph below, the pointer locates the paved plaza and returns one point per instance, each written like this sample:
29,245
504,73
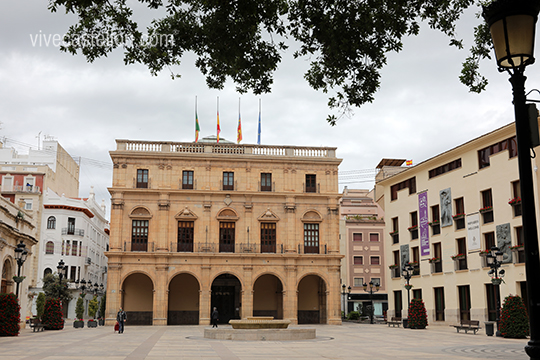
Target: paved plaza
348,341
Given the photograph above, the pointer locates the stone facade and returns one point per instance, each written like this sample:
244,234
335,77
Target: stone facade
252,230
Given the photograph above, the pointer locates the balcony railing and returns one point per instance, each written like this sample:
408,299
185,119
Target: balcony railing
76,232
139,247
31,189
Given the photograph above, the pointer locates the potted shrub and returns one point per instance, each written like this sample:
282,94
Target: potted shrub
52,316
92,309
40,305
10,315
514,319
92,323
79,313
417,314
102,304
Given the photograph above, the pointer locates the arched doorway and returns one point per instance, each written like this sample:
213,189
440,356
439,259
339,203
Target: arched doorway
183,300
226,297
268,297
312,300
138,299
7,276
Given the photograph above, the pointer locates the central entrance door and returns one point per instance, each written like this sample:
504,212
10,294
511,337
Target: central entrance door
226,297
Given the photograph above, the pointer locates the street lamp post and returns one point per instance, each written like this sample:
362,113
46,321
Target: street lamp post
512,25
62,271
371,288
344,296
20,255
407,274
494,261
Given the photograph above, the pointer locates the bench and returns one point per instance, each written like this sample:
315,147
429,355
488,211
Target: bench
394,321
36,324
473,325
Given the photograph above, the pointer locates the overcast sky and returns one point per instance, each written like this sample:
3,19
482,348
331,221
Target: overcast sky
420,111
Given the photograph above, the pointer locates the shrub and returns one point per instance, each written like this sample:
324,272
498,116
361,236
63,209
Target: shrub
417,314
40,305
10,315
79,308
52,316
102,306
93,307
514,322
353,315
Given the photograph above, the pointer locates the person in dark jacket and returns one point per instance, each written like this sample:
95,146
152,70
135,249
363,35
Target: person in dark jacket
121,317
215,317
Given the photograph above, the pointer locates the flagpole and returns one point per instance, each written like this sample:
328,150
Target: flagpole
218,128
197,128
259,132
239,130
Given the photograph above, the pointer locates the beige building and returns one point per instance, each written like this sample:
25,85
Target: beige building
441,216
362,242
252,230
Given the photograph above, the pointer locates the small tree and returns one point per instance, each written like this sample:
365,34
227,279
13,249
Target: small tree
417,314
93,307
40,305
353,315
52,317
10,315
79,307
54,289
102,306
514,321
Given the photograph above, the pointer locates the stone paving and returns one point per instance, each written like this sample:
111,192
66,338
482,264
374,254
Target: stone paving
348,341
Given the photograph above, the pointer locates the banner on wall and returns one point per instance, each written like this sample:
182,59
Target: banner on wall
424,223
473,232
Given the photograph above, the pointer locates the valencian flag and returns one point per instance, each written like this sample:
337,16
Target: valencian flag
408,162
259,132
197,128
218,128
239,135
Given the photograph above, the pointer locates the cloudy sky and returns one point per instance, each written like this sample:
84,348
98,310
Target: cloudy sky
421,109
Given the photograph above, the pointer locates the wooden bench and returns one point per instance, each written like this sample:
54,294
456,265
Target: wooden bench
394,321
472,325
36,324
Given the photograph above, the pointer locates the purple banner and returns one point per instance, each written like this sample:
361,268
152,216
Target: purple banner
424,223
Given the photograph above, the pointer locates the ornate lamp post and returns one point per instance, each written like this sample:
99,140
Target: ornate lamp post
344,296
512,25
494,261
20,255
371,289
407,271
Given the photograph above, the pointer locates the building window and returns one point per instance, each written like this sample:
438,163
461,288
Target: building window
396,272
142,179
376,281
268,237
187,179
417,294
520,250
413,229
51,222
461,264
459,218
266,182
47,271
185,236
435,220
456,164
439,303
228,180
415,263
409,183
395,231
508,144
28,204
72,273
74,248
139,235
311,238
68,247
226,237
71,226
49,248
398,302
29,184
358,260
491,297
437,262
375,260
464,294
373,237
516,200
358,282
357,237
487,206
311,183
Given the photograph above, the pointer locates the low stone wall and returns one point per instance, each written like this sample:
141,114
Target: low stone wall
260,334
259,322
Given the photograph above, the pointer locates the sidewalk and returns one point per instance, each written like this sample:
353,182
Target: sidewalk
349,341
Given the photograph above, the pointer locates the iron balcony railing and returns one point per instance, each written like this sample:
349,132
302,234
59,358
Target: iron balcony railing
68,231
139,246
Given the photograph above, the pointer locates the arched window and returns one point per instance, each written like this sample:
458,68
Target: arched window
49,248
51,222
47,271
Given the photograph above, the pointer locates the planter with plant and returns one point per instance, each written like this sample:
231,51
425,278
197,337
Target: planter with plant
102,304
393,266
514,319
486,209
458,216
92,309
10,315
79,313
434,260
40,305
52,316
434,223
515,201
458,257
417,314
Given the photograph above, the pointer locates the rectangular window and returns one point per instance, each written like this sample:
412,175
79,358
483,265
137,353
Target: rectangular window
28,204
395,231
357,237
139,235
228,180
398,302
415,260
358,282
311,183
72,273
71,226
509,144
266,182
487,207
358,260
187,179
68,247
311,238
373,237
74,248
409,183
491,302
459,218
396,272
142,179
439,303
414,225
516,200
462,249
375,260
268,237
417,294
226,237
489,240
520,251
456,164
464,302
376,281
185,236
435,220
437,252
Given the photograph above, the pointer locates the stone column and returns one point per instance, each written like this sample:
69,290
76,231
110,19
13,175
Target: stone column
205,295
114,291
162,238
161,296
333,296
290,295
247,293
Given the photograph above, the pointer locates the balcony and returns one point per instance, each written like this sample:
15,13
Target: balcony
28,189
76,232
139,246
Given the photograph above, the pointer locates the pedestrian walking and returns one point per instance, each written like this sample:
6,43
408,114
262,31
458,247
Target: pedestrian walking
215,318
121,317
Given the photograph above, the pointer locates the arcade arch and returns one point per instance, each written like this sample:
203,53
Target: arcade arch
312,300
138,299
268,296
184,300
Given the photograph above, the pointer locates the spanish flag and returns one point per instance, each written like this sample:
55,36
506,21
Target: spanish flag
408,162
218,128
239,131
197,128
